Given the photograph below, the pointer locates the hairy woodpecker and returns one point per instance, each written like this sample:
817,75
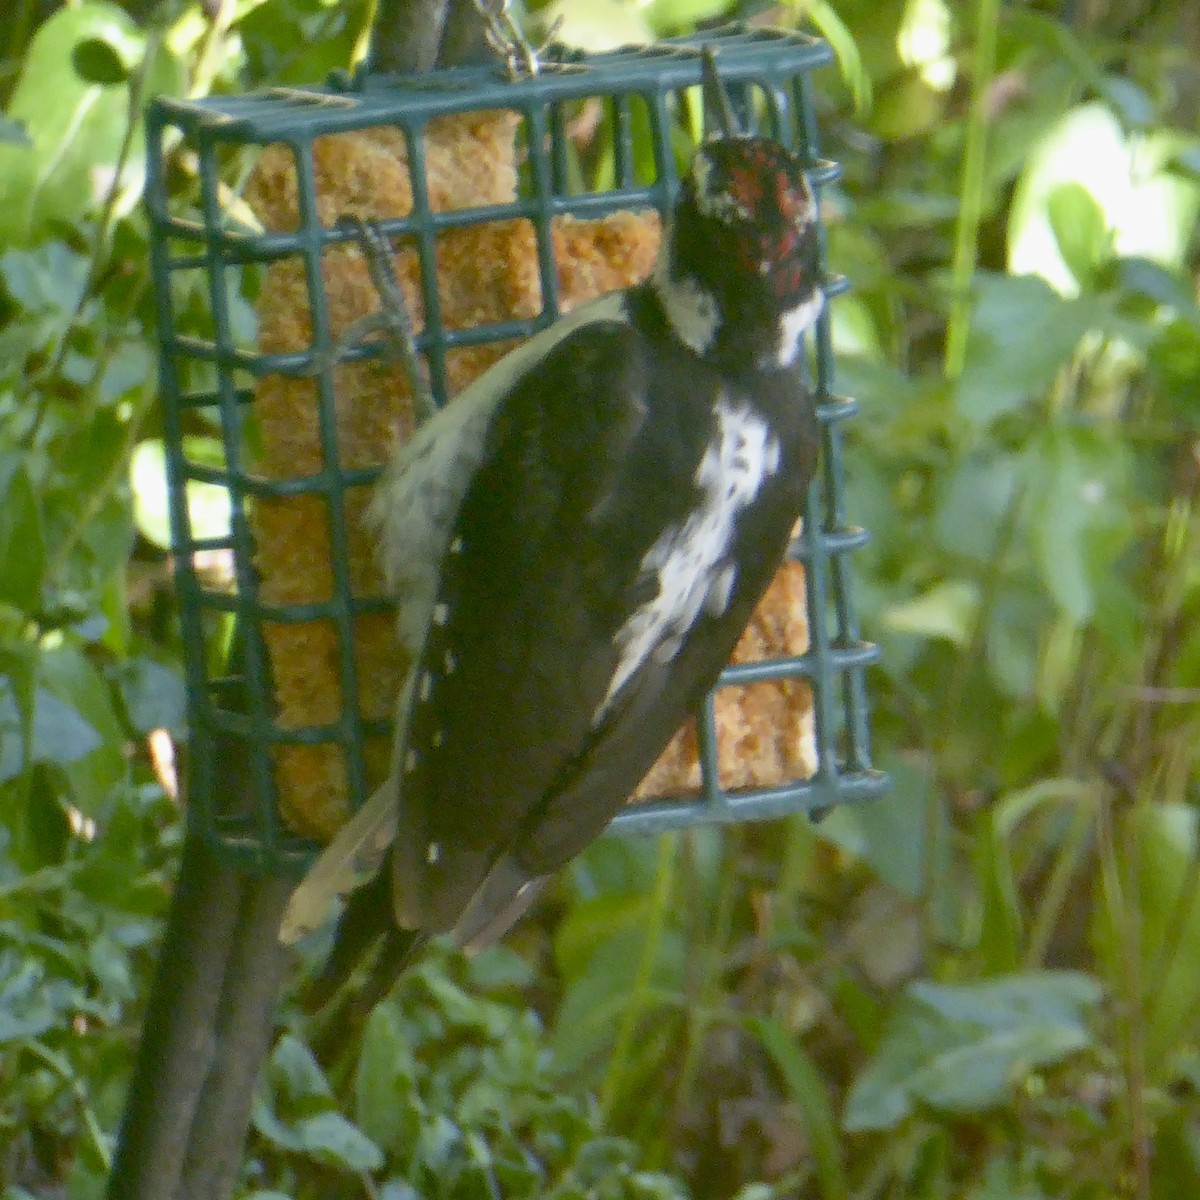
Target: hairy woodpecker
577,543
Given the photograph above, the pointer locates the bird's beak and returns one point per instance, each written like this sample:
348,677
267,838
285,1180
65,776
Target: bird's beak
718,112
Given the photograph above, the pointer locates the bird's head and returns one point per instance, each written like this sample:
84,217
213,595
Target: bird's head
738,273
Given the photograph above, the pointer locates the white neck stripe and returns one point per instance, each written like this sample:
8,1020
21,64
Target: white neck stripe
691,311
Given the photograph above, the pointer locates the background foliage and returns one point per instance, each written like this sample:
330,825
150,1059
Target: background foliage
987,986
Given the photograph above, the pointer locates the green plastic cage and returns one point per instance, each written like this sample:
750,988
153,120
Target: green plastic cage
210,368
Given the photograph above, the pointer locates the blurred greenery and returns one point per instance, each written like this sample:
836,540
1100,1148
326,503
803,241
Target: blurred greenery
985,986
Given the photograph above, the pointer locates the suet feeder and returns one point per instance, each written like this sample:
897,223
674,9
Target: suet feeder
507,200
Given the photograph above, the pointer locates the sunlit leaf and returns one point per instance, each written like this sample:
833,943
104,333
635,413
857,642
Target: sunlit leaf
1150,211
75,126
208,504
947,610
906,107
673,16
1079,230
841,40
598,25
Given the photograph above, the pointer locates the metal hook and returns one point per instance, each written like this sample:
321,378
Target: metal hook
508,41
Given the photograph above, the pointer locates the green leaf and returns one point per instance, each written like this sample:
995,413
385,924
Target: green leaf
70,677
98,61
1186,161
1022,333
266,1123
1130,102
154,695
60,734
22,537
974,504
1163,841
48,278
1080,231
673,16
399,1189
890,834
18,699
845,49
597,25
387,1107
1000,920
947,610
76,127
1015,625
296,1072
1079,520
591,922
25,1009
962,1048
1169,288
333,1140
598,996
808,1092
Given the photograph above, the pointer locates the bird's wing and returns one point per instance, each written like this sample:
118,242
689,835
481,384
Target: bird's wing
414,510
545,566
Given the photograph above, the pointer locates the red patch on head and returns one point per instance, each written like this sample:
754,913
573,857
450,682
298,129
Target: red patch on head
758,181
745,186
791,203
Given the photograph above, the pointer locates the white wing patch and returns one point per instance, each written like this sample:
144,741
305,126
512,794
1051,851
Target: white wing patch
689,560
793,324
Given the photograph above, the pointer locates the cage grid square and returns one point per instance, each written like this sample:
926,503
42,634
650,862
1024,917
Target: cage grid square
642,104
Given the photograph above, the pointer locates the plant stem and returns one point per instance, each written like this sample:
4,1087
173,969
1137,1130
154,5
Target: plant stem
639,996
211,49
970,198
709,1007
1123,899
1067,863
